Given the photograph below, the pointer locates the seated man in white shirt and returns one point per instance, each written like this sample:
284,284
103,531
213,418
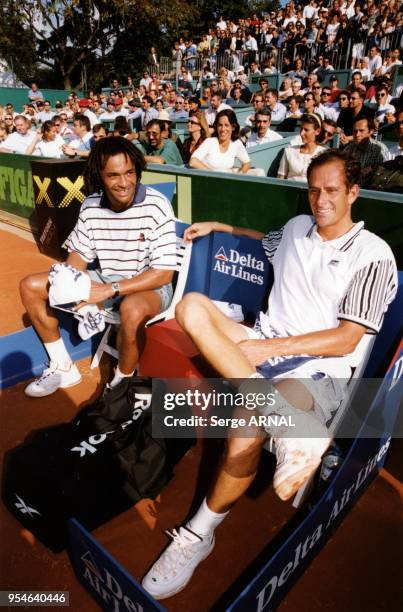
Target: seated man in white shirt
262,133
136,260
278,110
317,326
19,141
81,145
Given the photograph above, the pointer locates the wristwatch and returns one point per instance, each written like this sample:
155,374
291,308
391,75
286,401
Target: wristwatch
116,289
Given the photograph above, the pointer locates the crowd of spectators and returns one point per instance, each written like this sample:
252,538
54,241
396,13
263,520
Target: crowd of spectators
310,99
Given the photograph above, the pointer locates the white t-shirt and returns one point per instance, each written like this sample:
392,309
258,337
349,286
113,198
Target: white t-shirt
270,136
51,148
374,63
294,164
317,283
209,153
18,143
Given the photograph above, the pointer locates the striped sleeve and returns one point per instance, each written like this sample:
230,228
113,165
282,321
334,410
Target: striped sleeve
369,294
163,252
79,241
270,243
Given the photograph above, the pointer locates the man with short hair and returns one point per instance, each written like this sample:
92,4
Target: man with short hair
21,139
348,116
326,107
262,132
216,105
81,145
146,113
158,150
119,108
367,151
136,262
110,113
46,114
278,110
146,79
382,105
34,94
317,327
375,62
357,82
179,112
258,103
334,88
84,106
329,128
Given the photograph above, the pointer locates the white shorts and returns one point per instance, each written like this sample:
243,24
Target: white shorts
325,378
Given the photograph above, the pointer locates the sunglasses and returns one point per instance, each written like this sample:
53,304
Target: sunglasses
331,134
8,118
193,122
325,93
316,87
343,98
380,95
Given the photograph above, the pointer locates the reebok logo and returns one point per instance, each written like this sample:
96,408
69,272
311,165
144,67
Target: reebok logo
142,402
24,509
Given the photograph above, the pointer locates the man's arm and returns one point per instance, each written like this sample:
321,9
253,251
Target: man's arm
197,230
146,281
335,342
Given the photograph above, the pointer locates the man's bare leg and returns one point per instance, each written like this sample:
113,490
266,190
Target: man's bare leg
34,295
135,310
215,335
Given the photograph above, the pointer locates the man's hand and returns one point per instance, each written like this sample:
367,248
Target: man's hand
99,293
197,230
257,351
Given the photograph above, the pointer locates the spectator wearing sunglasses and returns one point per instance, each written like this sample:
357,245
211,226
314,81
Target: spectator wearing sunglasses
9,123
382,105
355,111
326,107
198,132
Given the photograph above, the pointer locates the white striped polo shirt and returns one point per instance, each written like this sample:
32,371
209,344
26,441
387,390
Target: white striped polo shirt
317,283
127,242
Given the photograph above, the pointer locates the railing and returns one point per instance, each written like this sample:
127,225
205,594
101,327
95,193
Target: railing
340,56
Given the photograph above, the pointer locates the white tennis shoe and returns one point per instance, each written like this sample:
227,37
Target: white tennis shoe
298,458
174,568
53,378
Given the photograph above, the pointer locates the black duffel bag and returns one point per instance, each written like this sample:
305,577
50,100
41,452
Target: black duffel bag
93,468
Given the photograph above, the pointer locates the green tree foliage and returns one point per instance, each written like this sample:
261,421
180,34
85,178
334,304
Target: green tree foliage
107,37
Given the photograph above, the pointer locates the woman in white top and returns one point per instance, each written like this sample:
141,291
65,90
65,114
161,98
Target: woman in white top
220,152
47,143
296,159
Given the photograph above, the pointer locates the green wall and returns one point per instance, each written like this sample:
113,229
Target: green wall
260,203
16,189
19,96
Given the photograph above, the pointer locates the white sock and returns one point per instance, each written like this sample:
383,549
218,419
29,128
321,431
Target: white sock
205,520
57,352
119,375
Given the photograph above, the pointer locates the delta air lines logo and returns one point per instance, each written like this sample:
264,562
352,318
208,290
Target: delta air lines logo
239,265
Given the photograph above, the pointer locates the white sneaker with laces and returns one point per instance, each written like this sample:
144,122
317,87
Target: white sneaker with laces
174,568
53,378
298,458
